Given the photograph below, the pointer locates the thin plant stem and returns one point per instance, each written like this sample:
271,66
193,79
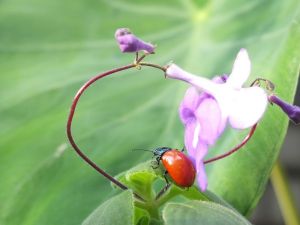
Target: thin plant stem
136,56
153,65
236,148
141,58
284,195
70,120
72,112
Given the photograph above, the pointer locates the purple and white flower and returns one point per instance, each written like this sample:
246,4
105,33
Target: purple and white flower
209,104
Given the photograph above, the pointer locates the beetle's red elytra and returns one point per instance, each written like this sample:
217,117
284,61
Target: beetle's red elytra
179,166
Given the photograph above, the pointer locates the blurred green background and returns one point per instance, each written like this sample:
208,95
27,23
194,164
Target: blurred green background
48,49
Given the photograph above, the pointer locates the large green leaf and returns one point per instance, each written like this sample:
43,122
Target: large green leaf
117,210
201,213
49,48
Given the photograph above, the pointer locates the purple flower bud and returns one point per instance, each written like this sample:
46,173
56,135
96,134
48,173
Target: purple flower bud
128,42
292,111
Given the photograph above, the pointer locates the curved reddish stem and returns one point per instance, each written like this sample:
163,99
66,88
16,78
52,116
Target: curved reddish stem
73,108
246,139
70,119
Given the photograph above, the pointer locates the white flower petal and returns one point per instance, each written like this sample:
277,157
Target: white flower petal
241,70
247,107
196,135
175,72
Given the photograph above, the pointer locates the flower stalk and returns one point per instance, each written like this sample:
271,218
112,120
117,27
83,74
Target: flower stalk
70,120
235,149
75,101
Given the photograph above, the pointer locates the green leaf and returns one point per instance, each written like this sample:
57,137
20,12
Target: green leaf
140,179
117,210
48,49
141,217
199,212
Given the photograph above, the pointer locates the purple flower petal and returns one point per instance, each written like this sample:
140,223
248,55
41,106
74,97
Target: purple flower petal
209,116
203,122
292,111
201,175
193,99
189,137
128,42
189,105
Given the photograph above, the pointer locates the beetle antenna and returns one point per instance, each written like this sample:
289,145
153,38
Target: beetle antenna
141,149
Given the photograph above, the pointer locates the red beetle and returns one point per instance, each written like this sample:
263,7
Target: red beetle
177,165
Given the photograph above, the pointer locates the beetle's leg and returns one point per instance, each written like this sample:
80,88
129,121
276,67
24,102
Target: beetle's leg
165,188
183,149
162,191
165,176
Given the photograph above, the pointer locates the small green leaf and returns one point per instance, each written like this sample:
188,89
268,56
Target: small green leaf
140,179
117,210
141,216
200,212
191,193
